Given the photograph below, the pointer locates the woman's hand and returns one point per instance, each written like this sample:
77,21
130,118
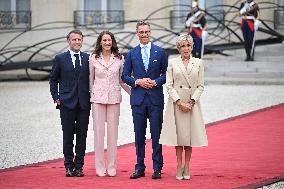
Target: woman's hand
184,107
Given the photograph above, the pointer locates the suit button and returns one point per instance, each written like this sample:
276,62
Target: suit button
189,86
180,86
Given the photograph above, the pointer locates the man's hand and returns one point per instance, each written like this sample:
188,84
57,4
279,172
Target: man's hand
146,83
151,83
57,102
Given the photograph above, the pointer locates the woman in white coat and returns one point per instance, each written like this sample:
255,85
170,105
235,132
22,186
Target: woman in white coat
183,125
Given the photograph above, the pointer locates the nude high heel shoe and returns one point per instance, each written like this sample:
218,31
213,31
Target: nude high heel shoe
180,177
186,177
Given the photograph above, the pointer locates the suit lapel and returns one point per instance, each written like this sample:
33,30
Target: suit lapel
84,62
139,57
111,60
101,61
183,70
83,59
190,65
152,56
68,59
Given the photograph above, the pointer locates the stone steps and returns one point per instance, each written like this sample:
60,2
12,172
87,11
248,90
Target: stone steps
268,67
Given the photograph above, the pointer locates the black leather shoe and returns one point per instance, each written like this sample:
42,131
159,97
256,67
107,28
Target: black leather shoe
79,173
69,172
156,174
137,174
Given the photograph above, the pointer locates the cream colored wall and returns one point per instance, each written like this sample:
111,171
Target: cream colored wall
44,11
62,10
140,9
52,10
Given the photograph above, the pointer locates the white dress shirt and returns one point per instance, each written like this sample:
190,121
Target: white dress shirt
74,58
148,49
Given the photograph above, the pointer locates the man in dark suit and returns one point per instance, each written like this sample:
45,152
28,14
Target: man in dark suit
145,71
70,71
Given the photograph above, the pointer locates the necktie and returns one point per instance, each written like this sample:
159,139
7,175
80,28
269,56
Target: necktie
77,63
145,57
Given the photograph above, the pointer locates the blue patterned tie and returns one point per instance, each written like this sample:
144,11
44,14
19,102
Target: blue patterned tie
145,57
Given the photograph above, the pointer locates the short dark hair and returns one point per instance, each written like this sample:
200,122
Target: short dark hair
142,23
74,31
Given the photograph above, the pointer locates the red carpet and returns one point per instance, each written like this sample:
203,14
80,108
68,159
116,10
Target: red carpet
244,152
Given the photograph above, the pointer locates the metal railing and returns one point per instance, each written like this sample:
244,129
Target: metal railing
38,55
99,19
14,20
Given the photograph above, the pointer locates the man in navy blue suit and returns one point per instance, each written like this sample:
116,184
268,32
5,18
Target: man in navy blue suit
69,87
145,71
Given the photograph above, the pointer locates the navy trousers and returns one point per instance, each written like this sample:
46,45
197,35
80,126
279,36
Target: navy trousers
196,51
248,35
155,115
74,121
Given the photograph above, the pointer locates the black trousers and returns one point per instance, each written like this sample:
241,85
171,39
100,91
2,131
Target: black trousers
74,121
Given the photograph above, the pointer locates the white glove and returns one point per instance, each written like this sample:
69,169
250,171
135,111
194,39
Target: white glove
204,35
189,21
257,23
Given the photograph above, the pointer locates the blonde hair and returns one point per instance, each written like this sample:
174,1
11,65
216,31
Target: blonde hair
184,37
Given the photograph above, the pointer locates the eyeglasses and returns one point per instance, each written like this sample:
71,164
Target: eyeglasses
144,32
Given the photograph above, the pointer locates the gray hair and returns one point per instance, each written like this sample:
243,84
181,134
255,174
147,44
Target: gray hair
142,23
184,37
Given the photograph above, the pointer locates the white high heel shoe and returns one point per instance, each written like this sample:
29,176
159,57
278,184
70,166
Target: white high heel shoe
186,177
180,177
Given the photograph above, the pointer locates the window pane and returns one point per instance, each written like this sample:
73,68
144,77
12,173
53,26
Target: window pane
183,2
98,4
101,14
210,3
92,5
23,5
213,8
114,5
5,5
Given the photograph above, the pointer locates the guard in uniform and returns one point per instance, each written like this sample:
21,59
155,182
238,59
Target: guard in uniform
249,11
196,26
